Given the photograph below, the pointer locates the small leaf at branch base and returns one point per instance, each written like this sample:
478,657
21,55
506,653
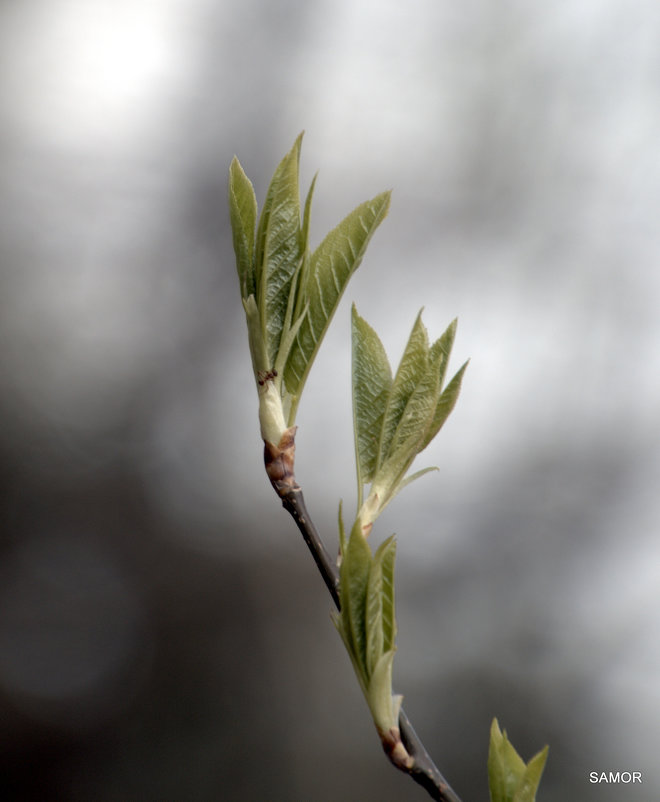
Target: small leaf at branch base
374,616
384,707
510,779
532,777
385,555
354,576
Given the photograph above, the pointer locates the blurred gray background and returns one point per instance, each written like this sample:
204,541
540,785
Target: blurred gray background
163,633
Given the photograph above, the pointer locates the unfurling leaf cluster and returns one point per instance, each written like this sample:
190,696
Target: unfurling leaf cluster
397,417
511,779
290,292
366,622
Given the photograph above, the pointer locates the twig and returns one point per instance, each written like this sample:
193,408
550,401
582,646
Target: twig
423,770
294,503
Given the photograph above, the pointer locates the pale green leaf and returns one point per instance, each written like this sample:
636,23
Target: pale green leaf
406,440
303,279
307,214
288,331
348,644
412,368
441,348
372,382
505,766
387,482
415,410
384,708
531,779
288,338
243,216
509,779
385,555
278,252
353,579
255,337
374,616
330,268
380,623
445,405
415,476
418,412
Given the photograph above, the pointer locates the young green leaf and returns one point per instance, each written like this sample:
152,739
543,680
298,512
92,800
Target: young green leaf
307,214
385,555
354,576
243,216
509,779
445,405
330,267
374,616
395,420
255,337
289,331
383,705
366,622
388,481
505,766
278,248
441,348
418,412
406,440
289,293
414,476
412,368
301,302
531,779
372,382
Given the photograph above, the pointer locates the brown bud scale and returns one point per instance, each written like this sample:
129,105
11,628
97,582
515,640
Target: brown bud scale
279,461
395,750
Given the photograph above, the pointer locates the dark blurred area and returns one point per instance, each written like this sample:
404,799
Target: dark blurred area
163,633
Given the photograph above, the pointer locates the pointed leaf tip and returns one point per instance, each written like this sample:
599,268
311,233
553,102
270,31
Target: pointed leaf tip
510,779
330,267
243,218
278,248
371,384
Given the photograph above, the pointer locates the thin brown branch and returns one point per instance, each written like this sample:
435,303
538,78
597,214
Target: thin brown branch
423,770
294,503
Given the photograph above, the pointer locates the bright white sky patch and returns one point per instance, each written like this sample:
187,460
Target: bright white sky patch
94,72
